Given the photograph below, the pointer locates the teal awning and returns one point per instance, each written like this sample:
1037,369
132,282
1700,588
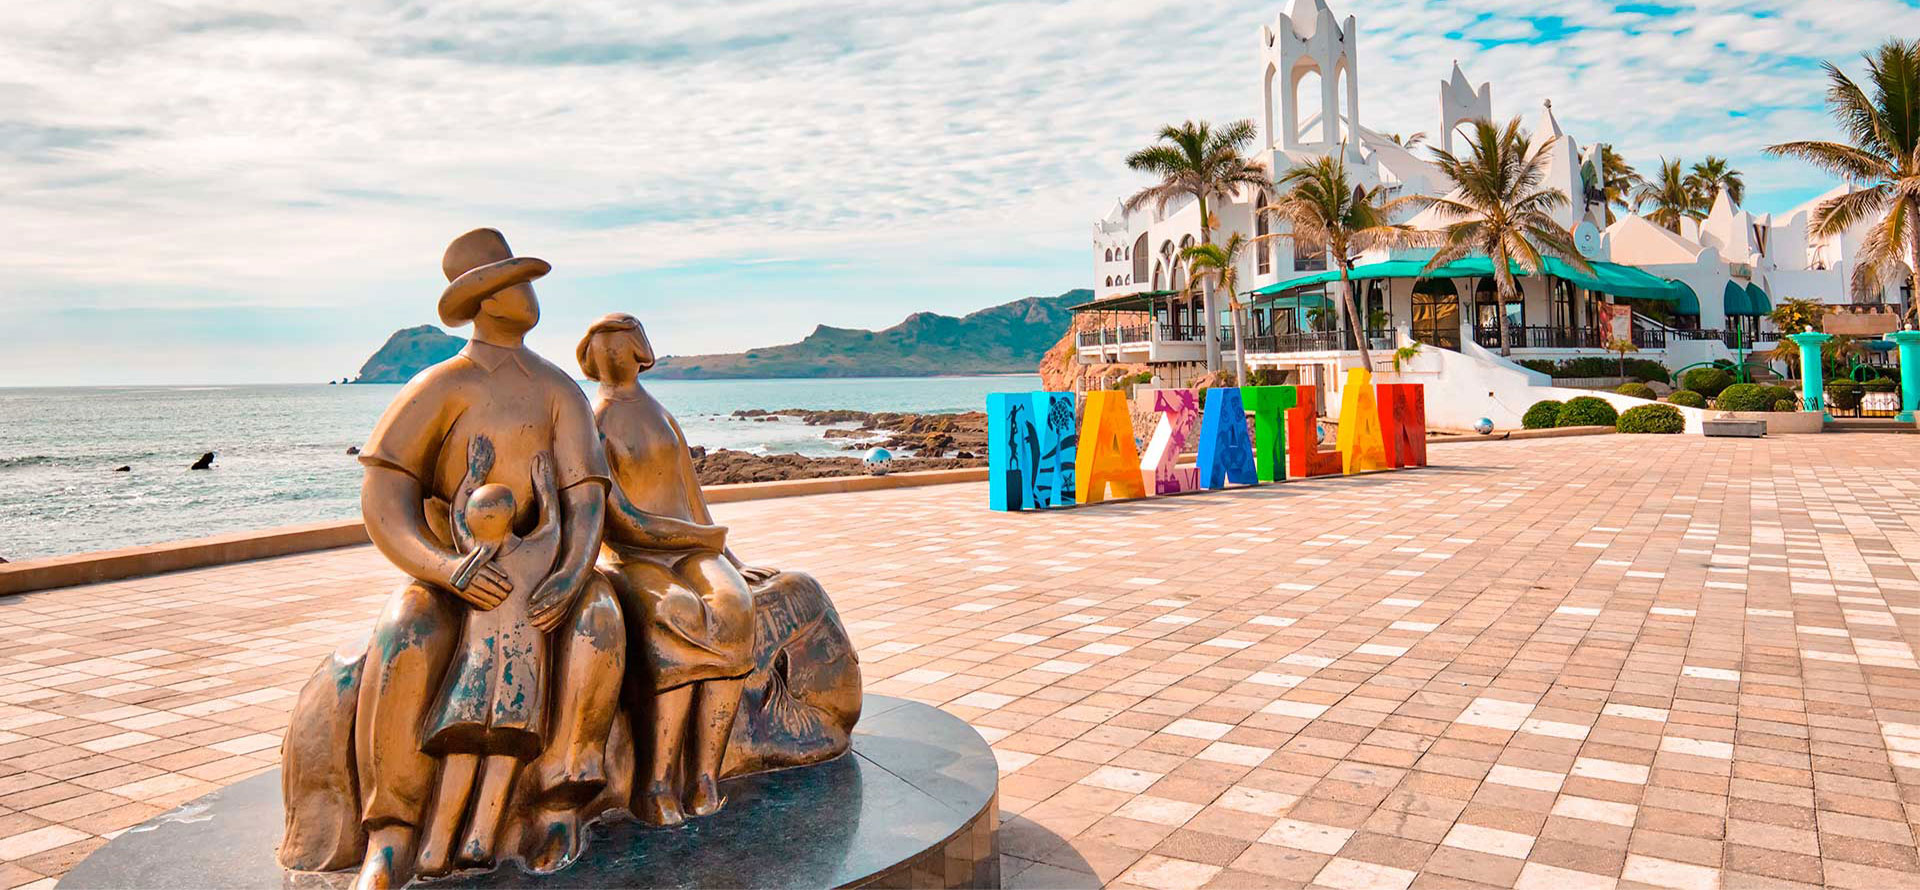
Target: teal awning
1689,301
1611,278
1141,301
1734,301
1757,300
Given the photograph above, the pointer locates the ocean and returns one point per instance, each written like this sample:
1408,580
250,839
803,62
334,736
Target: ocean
282,449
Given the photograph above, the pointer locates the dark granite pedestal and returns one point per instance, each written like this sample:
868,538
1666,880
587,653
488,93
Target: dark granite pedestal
913,805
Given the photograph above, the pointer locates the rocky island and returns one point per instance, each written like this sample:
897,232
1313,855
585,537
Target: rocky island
408,352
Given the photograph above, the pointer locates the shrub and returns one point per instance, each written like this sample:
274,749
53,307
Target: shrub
1637,390
1878,384
1688,398
1594,366
1744,397
1844,394
1786,406
1586,411
1542,415
1652,419
1708,382
1777,394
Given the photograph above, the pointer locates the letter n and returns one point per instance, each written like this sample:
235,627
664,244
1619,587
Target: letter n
1111,458
1226,453
1269,405
1403,421
1179,413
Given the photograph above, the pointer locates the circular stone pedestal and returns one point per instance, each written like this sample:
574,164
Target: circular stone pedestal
913,805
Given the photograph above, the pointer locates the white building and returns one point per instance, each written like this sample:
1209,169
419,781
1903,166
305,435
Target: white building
1666,292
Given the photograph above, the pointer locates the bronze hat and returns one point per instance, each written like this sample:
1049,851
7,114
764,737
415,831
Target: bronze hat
478,265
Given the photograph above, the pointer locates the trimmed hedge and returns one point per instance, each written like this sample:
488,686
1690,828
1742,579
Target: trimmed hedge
1845,394
1652,419
1745,397
1637,390
1783,394
1542,415
1879,384
1786,406
1594,366
1688,398
1586,411
1708,382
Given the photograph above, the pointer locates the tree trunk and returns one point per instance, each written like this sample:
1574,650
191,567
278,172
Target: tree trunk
1912,309
1239,338
1351,310
1501,285
1210,324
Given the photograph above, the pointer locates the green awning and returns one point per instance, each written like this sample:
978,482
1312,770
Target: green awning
1611,278
1757,300
1734,301
1142,301
1689,301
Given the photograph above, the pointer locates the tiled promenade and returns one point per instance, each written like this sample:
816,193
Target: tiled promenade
1552,665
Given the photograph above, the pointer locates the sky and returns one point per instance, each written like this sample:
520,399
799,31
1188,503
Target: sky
260,190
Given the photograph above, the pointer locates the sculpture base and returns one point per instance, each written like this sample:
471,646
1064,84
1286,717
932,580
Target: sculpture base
913,805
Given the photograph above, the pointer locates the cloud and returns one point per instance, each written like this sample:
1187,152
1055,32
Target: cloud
280,153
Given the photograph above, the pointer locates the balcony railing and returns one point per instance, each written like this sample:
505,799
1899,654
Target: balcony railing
1550,337
1311,341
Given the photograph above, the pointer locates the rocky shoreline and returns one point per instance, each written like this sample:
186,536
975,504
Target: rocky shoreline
917,441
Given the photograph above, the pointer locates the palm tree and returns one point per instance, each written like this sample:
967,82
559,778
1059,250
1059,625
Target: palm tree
1325,210
1218,266
1499,209
1196,160
1409,143
1672,194
1793,315
1883,158
1711,176
1620,181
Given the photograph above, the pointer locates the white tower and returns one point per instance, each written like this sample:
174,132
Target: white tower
1460,103
1306,40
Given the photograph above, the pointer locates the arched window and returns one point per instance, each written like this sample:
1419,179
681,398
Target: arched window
1139,255
1156,275
1109,281
1109,258
1263,251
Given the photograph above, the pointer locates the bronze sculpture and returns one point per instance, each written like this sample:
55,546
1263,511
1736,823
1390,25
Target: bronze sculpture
483,721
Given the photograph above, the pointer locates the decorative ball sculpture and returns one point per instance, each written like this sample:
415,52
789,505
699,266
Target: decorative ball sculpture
1483,426
877,460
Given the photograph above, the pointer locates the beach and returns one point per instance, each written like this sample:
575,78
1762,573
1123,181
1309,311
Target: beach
281,450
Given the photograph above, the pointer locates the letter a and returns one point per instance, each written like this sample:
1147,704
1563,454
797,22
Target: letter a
1111,458
1361,448
1226,454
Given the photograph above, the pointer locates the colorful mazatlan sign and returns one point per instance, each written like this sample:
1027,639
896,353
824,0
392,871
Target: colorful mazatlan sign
1037,457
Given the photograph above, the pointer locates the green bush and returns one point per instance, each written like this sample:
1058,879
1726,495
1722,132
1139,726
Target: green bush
1777,394
1786,406
1844,394
1637,390
1652,419
1542,415
1586,411
1594,366
1744,397
1878,384
1708,382
1688,398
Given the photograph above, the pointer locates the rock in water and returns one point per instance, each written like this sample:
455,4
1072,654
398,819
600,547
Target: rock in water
123,469
407,353
204,463
353,449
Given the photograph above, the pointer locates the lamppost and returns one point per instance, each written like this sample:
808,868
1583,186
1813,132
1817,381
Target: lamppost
1812,387
1909,341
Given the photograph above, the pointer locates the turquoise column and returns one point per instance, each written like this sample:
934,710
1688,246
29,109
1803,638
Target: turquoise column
1909,341
1812,386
